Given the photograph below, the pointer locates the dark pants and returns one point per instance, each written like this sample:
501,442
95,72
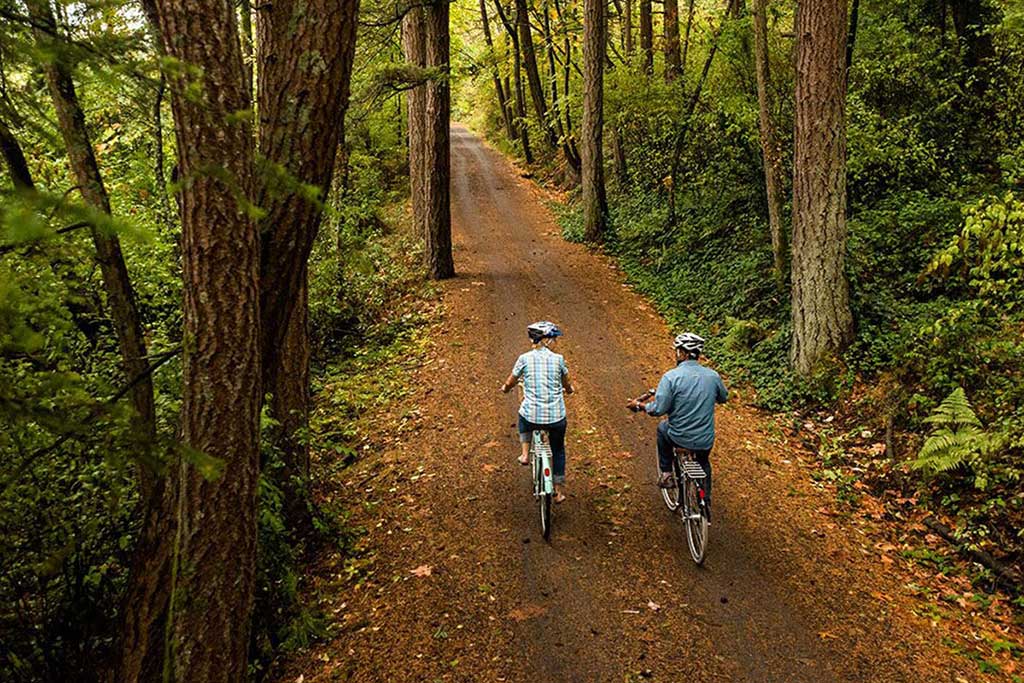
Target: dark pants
666,455
556,433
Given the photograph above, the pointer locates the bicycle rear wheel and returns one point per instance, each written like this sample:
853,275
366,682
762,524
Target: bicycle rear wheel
672,496
545,515
696,521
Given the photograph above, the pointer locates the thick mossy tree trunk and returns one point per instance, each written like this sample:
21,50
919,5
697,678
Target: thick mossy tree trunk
770,151
437,162
190,597
414,51
822,322
595,208
302,103
116,282
673,61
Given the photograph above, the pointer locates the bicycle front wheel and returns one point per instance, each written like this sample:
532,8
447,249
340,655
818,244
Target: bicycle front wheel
696,521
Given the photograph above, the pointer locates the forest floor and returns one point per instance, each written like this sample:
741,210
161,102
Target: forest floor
453,581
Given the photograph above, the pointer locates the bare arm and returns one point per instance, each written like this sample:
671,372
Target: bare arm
567,384
509,383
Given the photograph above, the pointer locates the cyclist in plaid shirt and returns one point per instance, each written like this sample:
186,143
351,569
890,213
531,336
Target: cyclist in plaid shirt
545,380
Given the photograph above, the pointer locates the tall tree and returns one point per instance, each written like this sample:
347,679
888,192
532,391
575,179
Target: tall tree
437,162
517,73
503,97
414,51
302,103
188,605
647,35
770,151
627,28
595,207
673,62
822,321
116,281
533,78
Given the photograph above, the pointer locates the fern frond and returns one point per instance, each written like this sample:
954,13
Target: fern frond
955,410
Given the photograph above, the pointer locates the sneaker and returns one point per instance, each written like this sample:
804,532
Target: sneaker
666,481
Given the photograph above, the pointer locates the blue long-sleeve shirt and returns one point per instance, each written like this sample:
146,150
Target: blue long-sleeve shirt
688,394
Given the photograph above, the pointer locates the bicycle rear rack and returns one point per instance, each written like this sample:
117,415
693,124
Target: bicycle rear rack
693,470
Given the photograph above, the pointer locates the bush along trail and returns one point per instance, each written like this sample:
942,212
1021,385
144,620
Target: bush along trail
809,577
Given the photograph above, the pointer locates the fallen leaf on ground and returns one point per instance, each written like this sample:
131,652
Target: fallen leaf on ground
653,606
526,612
422,570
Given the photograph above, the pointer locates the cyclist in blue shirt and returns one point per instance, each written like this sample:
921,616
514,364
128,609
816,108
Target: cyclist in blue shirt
545,380
687,394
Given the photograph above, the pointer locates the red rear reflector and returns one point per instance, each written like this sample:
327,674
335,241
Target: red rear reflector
701,494
547,472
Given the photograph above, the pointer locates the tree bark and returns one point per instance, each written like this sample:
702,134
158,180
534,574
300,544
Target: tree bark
627,29
851,41
968,21
769,143
302,104
822,321
595,208
414,51
540,107
647,35
116,281
245,11
437,163
14,156
568,144
503,98
673,61
189,600
619,159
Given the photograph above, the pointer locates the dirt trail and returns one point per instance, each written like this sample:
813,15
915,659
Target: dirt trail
786,594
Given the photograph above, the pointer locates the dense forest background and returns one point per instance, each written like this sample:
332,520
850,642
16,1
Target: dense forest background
698,137
112,170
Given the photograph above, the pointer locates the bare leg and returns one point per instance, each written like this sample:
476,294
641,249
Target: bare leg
524,459
559,493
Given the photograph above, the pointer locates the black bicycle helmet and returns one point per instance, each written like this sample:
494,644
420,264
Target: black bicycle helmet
543,330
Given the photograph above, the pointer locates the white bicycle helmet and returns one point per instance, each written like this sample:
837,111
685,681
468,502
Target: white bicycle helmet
689,342
543,330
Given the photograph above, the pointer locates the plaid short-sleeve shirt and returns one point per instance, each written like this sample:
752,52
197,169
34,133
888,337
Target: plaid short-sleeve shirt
541,371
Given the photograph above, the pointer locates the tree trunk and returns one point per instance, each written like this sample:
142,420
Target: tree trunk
189,600
647,35
503,99
116,281
289,405
414,51
17,165
686,36
627,29
568,145
851,41
437,161
245,10
520,94
619,159
822,322
540,107
595,208
302,104
969,24
769,143
672,59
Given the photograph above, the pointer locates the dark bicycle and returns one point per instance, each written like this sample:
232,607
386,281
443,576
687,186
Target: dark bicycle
687,496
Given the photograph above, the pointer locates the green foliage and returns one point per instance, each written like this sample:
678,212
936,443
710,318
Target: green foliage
957,440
